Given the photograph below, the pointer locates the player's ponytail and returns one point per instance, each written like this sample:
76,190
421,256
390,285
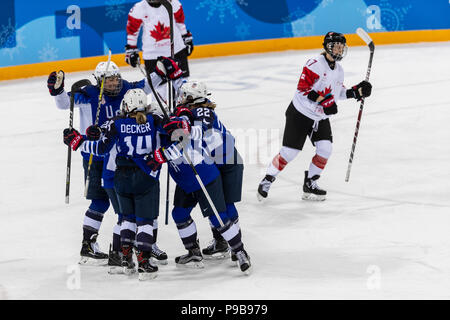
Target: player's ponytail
140,117
208,104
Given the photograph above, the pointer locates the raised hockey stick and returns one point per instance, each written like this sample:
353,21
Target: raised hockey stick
170,99
188,159
76,87
100,98
363,35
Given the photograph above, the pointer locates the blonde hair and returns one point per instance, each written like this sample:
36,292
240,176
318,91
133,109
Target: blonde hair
140,117
206,104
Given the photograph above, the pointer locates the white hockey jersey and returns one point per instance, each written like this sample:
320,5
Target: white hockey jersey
318,76
156,29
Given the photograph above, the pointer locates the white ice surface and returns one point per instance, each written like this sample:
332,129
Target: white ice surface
383,235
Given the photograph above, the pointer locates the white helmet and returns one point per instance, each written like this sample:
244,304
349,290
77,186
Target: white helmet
194,92
113,71
154,108
134,100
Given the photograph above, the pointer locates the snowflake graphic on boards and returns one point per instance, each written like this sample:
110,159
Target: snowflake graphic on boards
7,35
20,44
324,3
221,7
48,53
299,24
115,9
242,31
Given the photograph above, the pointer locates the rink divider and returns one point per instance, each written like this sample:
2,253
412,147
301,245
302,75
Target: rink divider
228,49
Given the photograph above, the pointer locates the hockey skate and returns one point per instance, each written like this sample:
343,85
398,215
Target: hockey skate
193,259
264,186
244,261
146,269
159,255
114,261
311,191
128,266
90,253
217,249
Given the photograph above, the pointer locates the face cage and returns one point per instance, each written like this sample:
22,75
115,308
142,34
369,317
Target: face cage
111,93
336,57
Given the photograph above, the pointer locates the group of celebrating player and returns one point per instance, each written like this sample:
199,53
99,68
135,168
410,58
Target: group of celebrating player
131,142
134,137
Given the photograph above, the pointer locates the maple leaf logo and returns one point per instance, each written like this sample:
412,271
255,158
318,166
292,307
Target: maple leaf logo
160,32
325,92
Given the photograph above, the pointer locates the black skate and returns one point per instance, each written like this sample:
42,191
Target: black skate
311,191
90,253
218,249
264,186
159,255
193,259
244,261
114,261
146,269
127,260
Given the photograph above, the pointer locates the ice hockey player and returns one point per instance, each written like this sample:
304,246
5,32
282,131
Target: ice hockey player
321,83
219,143
136,186
154,19
188,193
87,102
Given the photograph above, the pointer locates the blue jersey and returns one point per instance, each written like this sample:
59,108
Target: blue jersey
131,141
217,141
87,101
182,173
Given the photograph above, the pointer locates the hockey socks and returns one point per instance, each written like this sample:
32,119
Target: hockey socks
280,161
93,218
144,236
116,235
188,233
128,230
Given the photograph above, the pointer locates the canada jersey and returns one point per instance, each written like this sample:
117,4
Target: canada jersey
156,29
319,77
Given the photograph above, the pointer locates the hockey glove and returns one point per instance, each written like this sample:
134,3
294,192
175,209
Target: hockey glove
175,124
187,38
168,68
93,132
55,83
132,55
361,90
156,159
184,112
72,138
328,104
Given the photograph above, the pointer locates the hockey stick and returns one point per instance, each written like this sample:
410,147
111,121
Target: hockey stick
188,159
76,87
363,35
170,99
100,98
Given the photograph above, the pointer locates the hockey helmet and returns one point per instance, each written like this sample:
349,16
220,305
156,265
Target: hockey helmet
193,92
335,45
154,108
113,80
154,3
133,101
